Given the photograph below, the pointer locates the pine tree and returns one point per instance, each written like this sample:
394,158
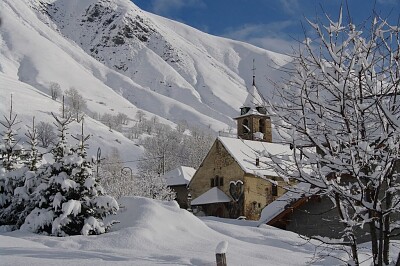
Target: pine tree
70,200
10,169
21,204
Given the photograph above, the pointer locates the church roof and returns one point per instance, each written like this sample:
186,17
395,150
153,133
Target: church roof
252,112
245,153
213,195
179,176
253,99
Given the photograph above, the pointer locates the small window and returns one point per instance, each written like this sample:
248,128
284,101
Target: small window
274,190
244,110
261,110
217,181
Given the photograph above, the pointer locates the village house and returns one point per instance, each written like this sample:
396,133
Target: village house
233,179
178,179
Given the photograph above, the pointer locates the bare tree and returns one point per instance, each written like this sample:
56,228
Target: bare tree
153,186
46,134
122,119
55,90
339,110
140,115
181,126
75,105
107,119
169,148
113,179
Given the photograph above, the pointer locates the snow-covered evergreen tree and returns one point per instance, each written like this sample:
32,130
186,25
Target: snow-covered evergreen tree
69,200
21,204
11,172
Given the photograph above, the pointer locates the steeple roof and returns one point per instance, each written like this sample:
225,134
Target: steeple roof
253,99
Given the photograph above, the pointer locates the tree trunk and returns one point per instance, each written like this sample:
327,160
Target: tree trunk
351,236
372,229
374,239
380,250
386,240
354,251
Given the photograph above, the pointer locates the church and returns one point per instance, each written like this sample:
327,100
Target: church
233,180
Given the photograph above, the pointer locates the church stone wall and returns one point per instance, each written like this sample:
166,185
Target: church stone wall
258,194
218,162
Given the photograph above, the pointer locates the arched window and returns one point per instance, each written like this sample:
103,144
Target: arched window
261,125
274,188
217,181
246,128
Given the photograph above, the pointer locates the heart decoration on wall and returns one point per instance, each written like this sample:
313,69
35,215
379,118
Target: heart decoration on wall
236,189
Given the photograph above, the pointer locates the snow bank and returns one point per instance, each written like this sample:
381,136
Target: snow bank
153,232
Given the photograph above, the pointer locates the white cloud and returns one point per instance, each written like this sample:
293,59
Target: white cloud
271,36
278,45
290,6
164,7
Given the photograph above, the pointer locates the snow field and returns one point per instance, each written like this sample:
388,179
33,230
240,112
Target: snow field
154,232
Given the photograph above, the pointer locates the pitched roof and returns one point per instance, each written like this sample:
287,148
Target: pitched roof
253,98
245,153
285,202
179,176
213,195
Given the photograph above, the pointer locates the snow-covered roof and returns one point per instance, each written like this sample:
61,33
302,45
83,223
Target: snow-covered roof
213,195
283,202
253,98
251,112
245,153
179,176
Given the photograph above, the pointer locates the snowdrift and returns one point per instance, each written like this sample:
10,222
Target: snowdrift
154,232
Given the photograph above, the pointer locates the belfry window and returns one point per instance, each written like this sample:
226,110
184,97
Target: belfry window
246,128
261,125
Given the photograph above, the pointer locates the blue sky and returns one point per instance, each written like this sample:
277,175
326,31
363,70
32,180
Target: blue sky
271,24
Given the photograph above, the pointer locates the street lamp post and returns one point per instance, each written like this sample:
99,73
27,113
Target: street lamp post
125,170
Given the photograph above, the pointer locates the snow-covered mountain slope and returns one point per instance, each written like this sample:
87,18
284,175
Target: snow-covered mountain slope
122,59
165,67
29,102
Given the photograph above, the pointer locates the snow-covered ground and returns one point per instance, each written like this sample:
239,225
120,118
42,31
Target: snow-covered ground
152,232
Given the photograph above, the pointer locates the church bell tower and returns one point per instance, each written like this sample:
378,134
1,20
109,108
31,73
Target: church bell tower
253,122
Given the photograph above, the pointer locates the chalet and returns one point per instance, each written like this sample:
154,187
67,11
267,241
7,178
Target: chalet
305,214
233,179
178,179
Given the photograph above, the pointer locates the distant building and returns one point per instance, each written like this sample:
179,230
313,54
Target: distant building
307,215
232,179
178,179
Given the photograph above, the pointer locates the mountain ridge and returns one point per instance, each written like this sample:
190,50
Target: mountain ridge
176,73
